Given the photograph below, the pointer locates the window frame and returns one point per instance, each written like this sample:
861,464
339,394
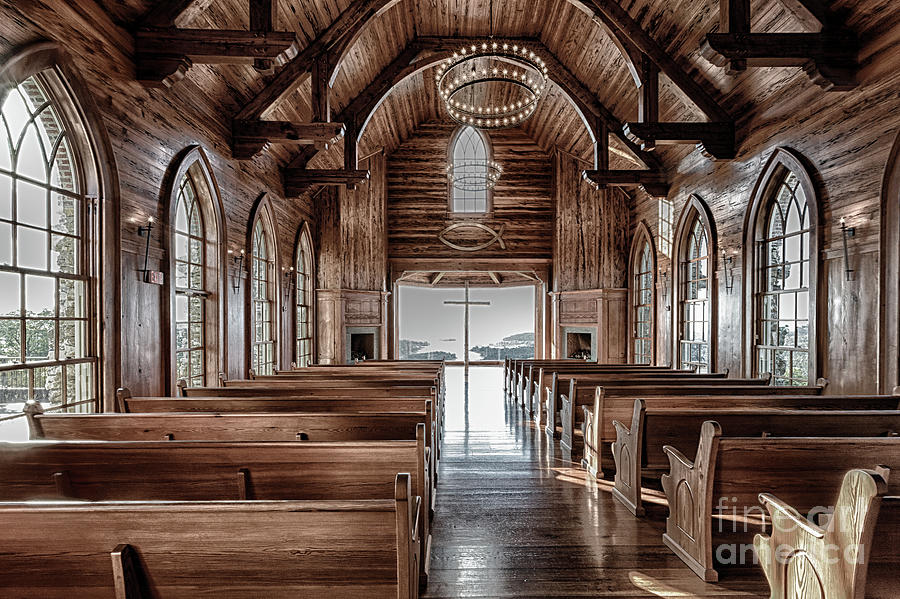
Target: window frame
91,152
782,162
695,209
889,374
642,238
194,164
489,194
304,241
263,213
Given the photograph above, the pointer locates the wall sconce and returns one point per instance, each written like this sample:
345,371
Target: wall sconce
145,231
237,261
664,287
845,233
288,286
728,268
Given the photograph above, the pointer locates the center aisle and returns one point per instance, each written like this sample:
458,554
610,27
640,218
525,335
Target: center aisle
516,518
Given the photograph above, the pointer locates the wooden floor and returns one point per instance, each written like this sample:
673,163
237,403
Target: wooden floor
516,518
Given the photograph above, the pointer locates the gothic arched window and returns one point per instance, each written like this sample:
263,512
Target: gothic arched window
303,270
470,154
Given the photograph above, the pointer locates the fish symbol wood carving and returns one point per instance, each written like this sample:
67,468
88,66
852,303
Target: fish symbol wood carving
496,237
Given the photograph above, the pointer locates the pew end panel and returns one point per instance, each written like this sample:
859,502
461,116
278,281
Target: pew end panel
627,452
593,435
550,406
567,416
801,559
689,491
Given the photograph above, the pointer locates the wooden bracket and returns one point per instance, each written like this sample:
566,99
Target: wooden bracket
251,137
298,180
655,183
163,55
128,578
828,58
715,140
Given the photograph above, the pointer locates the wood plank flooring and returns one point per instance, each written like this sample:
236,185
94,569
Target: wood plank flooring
517,518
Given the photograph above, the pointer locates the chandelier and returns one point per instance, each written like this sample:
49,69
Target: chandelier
473,175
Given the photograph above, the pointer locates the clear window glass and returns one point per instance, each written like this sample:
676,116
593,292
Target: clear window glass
47,350
470,156
190,288
642,300
304,298
695,332
262,295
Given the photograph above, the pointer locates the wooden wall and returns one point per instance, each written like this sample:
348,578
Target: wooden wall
417,198
846,139
148,129
591,230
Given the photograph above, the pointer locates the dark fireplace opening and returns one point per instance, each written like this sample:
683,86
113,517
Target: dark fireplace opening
579,346
362,346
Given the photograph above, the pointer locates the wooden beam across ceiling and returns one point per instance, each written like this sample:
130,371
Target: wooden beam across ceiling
655,183
714,140
828,57
251,137
298,180
164,52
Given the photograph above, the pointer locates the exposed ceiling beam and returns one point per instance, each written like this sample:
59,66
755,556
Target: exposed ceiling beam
436,278
298,180
166,12
251,137
494,277
714,140
348,23
655,183
163,56
619,18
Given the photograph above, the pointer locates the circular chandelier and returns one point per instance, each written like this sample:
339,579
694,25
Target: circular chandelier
461,81
473,175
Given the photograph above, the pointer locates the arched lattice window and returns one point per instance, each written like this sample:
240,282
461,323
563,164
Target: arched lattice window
48,344
262,298
190,287
642,306
695,318
470,155
304,300
785,257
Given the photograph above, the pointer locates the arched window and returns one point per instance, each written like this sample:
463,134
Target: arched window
49,342
695,252
197,291
784,257
303,269
470,154
643,266
263,325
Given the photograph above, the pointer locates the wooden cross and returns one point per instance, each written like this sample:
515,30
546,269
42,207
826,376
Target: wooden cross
466,303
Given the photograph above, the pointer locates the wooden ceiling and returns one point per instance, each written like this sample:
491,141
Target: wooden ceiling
582,45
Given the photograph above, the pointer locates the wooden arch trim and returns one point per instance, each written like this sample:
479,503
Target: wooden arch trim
304,236
627,34
103,184
890,272
696,207
262,210
194,162
641,236
782,161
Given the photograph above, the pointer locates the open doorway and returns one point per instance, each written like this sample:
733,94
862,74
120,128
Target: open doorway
433,325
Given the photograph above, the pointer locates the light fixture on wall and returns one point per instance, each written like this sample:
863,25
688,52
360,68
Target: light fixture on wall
664,287
847,232
728,268
237,274
145,231
462,78
288,275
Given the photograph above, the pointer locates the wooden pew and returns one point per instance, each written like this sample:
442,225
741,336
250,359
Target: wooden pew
599,431
125,404
210,471
340,549
713,508
853,555
571,411
638,449
586,380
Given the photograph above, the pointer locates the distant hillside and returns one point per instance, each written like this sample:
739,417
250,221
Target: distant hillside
516,347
